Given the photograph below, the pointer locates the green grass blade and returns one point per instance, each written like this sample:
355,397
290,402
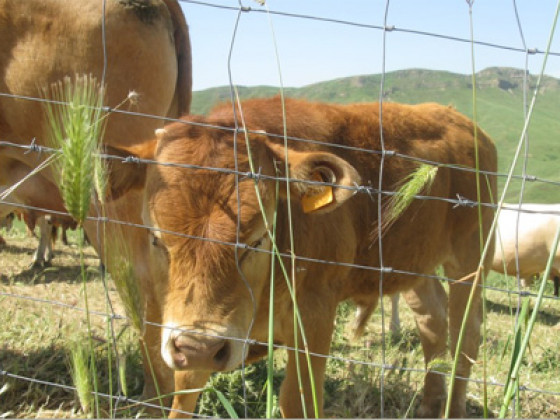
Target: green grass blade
227,405
270,350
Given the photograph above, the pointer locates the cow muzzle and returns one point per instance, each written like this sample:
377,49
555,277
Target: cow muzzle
199,350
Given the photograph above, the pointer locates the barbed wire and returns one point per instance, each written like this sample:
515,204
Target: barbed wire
286,255
34,147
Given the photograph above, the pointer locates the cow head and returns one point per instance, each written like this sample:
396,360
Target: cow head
210,232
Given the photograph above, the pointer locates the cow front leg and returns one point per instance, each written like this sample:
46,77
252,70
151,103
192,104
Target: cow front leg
294,398
184,401
428,301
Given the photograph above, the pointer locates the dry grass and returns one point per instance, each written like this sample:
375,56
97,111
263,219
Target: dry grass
42,315
36,337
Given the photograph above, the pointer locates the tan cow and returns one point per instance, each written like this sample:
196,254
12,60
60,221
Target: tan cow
147,51
524,241
48,233
218,265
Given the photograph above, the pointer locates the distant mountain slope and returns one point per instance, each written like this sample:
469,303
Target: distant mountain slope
499,108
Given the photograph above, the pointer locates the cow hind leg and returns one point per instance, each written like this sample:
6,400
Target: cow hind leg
459,292
428,302
44,254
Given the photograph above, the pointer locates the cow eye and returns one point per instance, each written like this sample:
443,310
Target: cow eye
258,243
155,240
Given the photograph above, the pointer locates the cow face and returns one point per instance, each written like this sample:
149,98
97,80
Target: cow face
211,235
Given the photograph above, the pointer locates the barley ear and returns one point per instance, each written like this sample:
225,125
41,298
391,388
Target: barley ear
75,126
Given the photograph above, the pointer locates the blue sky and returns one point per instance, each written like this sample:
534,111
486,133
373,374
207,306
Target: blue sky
311,51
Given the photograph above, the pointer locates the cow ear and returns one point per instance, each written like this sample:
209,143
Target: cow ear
321,167
129,173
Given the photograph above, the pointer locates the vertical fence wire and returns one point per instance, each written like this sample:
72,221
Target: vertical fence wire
383,366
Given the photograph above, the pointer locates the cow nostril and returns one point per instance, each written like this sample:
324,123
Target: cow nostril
222,355
179,359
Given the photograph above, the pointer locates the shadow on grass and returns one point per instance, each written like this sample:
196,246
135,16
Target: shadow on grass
17,266
41,380
543,317
63,274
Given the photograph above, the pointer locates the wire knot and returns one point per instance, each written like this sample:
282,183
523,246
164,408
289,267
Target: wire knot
34,147
464,202
254,175
530,178
122,399
131,159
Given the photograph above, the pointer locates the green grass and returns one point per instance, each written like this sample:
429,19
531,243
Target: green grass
36,338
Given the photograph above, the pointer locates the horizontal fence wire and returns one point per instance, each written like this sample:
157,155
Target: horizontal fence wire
252,343
33,147
245,246
387,28
367,189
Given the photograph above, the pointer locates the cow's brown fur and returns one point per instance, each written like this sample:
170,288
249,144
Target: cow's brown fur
44,41
216,288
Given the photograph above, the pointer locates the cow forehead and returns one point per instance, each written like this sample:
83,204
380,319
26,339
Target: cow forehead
204,203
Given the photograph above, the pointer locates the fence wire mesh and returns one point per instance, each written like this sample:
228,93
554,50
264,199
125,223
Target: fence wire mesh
18,297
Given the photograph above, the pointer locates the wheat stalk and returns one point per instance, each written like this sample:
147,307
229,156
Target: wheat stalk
76,126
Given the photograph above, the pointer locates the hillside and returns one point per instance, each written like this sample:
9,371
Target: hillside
499,108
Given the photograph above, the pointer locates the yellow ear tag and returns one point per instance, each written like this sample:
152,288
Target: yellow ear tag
319,199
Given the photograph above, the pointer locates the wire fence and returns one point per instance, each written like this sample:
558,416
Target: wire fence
376,192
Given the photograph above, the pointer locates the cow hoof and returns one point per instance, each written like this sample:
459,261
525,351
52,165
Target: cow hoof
36,264
40,264
430,410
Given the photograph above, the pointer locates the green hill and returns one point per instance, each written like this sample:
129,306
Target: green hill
500,109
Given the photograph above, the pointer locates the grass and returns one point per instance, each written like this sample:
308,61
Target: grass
36,338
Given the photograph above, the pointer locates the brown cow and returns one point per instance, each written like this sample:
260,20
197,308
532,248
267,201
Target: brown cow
147,52
216,289
48,233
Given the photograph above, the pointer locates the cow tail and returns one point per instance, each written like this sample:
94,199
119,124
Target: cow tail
363,312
